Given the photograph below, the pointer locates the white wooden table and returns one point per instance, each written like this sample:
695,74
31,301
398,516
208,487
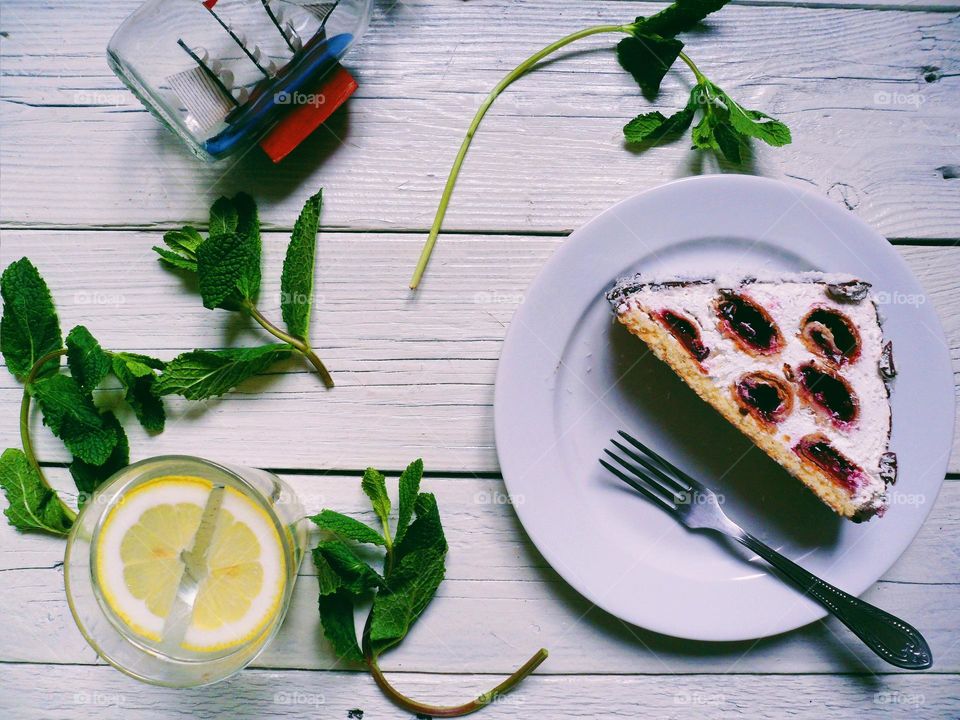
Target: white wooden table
90,181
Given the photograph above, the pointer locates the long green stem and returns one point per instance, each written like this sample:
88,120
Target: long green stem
690,64
25,440
301,345
517,72
449,711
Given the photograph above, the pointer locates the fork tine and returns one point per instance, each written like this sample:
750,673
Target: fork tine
649,494
663,480
664,463
650,482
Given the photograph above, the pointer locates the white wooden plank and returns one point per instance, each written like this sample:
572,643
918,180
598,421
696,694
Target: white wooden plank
414,372
502,601
85,691
870,129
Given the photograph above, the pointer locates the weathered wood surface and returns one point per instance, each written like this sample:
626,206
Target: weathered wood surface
870,96
414,372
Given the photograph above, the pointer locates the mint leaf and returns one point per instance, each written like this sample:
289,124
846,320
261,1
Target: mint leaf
327,577
374,486
336,616
225,265
88,362
729,141
409,490
356,577
347,528
136,375
648,57
655,126
202,374
223,217
70,414
679,17
87,476
417,572
32,505
29,328
753,123
296,282
228,261
183,246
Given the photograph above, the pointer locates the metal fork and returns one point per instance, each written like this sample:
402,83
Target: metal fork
698,508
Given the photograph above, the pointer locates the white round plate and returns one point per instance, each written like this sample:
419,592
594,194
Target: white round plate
570,377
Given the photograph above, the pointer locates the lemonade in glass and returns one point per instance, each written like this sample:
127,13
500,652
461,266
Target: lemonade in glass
178,571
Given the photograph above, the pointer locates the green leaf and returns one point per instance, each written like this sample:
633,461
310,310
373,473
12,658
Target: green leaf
202,374
70,414
228,261
374,485
88,362
29,328
655,126
336,616
426,532
417,572
410,588
296,282
753,123
183,246
729,141
347,528
648,57
679,17
326,576
32,505
223,217
87,476
136,374
409,490
226,265
356,576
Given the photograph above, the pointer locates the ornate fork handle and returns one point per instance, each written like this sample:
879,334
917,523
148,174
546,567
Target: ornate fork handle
892,639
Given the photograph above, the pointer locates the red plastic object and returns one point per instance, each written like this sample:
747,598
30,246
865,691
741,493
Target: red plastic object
308,111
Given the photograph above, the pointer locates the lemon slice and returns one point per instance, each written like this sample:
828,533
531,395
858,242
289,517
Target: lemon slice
154,562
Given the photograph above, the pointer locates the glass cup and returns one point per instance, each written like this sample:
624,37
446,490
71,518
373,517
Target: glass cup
218,505
221,74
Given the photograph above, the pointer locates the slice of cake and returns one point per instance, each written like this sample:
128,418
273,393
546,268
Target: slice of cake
797,362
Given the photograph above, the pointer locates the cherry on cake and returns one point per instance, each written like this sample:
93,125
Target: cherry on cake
797,362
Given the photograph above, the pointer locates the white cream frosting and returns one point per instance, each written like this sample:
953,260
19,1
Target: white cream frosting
788,299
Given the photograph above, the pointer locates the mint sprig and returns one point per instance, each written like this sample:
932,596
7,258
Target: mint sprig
413,566
227,266
94,437
647,53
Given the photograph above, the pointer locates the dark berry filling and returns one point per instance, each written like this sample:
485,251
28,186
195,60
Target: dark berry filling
748,324
686,332
831,335
829,393
764,395
818,450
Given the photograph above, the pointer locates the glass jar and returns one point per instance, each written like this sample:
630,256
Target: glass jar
220,73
